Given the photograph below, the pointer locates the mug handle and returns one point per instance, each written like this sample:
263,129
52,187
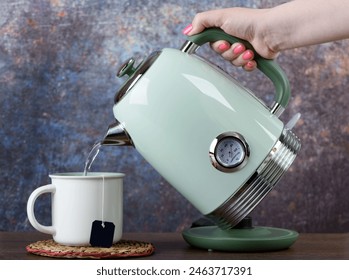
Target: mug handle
267,66
30,208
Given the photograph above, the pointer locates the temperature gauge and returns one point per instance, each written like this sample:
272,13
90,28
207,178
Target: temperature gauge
229,152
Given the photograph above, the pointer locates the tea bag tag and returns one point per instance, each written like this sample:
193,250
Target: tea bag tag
102,234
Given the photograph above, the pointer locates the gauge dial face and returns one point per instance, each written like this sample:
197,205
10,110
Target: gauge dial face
229,152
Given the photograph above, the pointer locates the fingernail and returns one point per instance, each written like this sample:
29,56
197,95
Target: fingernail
223,47
247,55
187,29
238,49
250,64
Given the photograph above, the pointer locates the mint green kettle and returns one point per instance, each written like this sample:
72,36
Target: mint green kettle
206,134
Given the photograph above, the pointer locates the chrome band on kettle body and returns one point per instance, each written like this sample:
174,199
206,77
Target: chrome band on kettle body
240,204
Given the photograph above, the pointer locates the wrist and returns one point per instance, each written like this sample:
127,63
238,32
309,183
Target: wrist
264,37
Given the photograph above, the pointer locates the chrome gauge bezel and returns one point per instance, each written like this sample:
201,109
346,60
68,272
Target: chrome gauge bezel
213,152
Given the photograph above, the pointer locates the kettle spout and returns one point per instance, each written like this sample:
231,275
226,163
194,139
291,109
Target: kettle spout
117,136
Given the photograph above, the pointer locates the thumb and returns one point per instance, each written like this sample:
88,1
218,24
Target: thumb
202,21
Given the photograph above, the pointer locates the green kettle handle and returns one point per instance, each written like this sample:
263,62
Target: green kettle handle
269,67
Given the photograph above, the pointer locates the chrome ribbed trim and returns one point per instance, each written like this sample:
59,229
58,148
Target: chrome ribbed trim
239,205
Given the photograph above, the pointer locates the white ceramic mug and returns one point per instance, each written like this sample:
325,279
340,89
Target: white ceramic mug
78,201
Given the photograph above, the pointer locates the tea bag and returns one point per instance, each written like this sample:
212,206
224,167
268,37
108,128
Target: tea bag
102,232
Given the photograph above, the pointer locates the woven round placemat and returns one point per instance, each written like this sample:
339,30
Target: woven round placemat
121,249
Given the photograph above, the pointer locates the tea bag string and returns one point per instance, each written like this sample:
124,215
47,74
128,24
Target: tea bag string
103,187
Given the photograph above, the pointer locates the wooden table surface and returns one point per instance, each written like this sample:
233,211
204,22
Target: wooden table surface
170,246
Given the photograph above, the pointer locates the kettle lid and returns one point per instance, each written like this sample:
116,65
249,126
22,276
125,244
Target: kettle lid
133,73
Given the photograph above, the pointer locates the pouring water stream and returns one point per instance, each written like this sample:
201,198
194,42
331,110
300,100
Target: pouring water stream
91,157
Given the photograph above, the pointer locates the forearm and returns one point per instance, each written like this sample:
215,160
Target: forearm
304,22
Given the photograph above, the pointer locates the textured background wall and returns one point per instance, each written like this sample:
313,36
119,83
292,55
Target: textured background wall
58,61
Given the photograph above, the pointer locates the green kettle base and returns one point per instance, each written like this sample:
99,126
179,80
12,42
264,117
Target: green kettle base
254,239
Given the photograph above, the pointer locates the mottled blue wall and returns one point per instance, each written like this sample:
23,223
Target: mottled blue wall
58,61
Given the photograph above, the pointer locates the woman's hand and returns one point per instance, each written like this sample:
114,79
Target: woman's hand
294,24
239,22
